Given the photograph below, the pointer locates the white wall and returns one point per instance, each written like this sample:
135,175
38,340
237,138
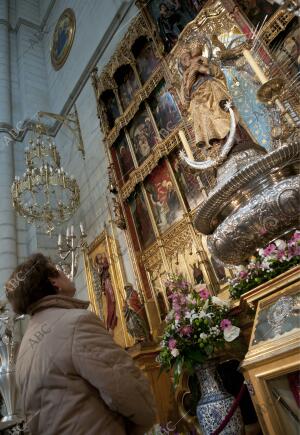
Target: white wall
36,86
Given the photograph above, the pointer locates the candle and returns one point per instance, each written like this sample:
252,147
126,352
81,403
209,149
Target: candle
68,233
264,79
81,229
186,145
59,240
254,65
72,230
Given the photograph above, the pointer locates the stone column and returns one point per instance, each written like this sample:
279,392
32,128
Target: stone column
8,251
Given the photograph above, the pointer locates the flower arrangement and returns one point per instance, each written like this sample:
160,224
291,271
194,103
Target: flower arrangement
271,261
197,326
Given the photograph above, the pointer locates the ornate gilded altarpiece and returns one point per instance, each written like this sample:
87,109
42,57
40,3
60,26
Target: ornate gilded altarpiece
143,122
141,114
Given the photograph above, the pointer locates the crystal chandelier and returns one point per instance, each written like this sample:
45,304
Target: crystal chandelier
46,195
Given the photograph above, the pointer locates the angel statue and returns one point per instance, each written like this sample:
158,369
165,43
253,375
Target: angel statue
135,315
204,93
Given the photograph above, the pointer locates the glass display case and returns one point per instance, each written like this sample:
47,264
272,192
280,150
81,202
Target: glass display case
271,366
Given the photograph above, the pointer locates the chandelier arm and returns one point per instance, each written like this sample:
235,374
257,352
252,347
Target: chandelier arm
65,120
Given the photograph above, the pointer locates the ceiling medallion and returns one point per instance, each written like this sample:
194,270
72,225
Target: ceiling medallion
63,37
46,195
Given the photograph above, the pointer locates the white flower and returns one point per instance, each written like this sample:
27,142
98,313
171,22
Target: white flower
231,333
203,335
265,265
175,352
281,244
219,302
261,252
215,330
170,315
189,314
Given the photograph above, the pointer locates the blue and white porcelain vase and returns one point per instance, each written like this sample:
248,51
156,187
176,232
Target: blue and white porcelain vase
215,403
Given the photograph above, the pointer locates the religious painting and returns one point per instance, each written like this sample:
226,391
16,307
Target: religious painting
187,181
164,109
163,197
197,273
146,60
127,84
63,37
142,135
111,107
256,10
141,219
106,284
124,157
171,16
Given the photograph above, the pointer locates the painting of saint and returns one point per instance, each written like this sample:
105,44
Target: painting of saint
101,266
127,84
111,107
171,16
141,219
146,60
124,157
163,197
187,181
164,109
142,135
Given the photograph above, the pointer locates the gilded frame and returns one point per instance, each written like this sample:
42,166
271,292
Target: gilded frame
106,244
58,63
270,359
269,347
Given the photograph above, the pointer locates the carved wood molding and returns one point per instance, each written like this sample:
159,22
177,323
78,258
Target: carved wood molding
276,24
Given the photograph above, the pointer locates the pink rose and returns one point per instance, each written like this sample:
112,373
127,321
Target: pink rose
225,324
172,343
204,293
243,274
186,330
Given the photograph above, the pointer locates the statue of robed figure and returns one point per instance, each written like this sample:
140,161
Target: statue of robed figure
135,315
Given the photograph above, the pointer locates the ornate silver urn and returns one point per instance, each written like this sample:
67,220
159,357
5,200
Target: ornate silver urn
256,199
9,347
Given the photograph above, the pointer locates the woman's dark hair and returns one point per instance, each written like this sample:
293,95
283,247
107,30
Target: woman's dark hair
30,282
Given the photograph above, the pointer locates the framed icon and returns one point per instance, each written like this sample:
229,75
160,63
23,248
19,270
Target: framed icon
63,37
